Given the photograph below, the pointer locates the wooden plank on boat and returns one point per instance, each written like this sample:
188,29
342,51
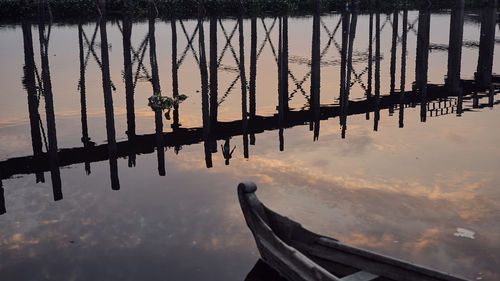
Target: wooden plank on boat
392,268
359,276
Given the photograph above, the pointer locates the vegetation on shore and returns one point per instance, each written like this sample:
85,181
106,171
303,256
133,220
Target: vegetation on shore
71,9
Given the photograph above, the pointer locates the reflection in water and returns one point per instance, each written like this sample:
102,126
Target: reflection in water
282,77
83,99
455,47
368,91
253,72
49,104
227,152
403,68
2,198
456,95
395,17
486,44
422,59
376,117
204,91
243,82
108,107
33,95
348,34
314,99
214,103
434,100
155,81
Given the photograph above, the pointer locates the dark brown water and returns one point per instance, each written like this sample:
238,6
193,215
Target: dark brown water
98,186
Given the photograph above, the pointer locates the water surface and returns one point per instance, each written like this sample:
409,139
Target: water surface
366,135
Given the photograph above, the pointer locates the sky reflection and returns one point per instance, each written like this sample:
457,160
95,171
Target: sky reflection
391,174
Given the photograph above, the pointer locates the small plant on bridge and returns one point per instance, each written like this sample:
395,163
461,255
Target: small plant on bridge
159,102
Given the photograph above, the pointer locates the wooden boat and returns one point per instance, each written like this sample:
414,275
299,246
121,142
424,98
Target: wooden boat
301,255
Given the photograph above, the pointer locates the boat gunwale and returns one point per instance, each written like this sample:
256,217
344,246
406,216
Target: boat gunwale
253,209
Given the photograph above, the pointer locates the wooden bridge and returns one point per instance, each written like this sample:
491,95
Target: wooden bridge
480,91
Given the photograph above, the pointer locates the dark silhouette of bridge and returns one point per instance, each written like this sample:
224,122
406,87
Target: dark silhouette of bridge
451,97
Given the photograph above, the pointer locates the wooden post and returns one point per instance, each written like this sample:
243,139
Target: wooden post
55,174
315,73
370,62
343,52
204,90
175,78
83,100
345,101
280,86
422,59
108,107
284,64
214,103
101,7
403,68
486,44
129,87
393,56
491,96
253,72
377,70
155,80
281,92
243,80
30,86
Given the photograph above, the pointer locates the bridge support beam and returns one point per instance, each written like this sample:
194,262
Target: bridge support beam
486,44
108,108
455,46
422,59
30,86
55,173
129,86
315,74
253,72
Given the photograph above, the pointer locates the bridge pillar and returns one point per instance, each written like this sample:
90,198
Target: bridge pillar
253,72
403,68
175,78
455,46
393,56
315,74
155,81
108,108
243,80
205,105
486,44
284,64
30,86
213,74
129,86
49,110
422,59
376,117
83,99
370,61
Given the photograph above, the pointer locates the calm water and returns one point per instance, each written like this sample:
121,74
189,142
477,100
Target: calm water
98,186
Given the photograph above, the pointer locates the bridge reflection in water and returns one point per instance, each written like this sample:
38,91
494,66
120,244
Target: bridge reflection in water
455,96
